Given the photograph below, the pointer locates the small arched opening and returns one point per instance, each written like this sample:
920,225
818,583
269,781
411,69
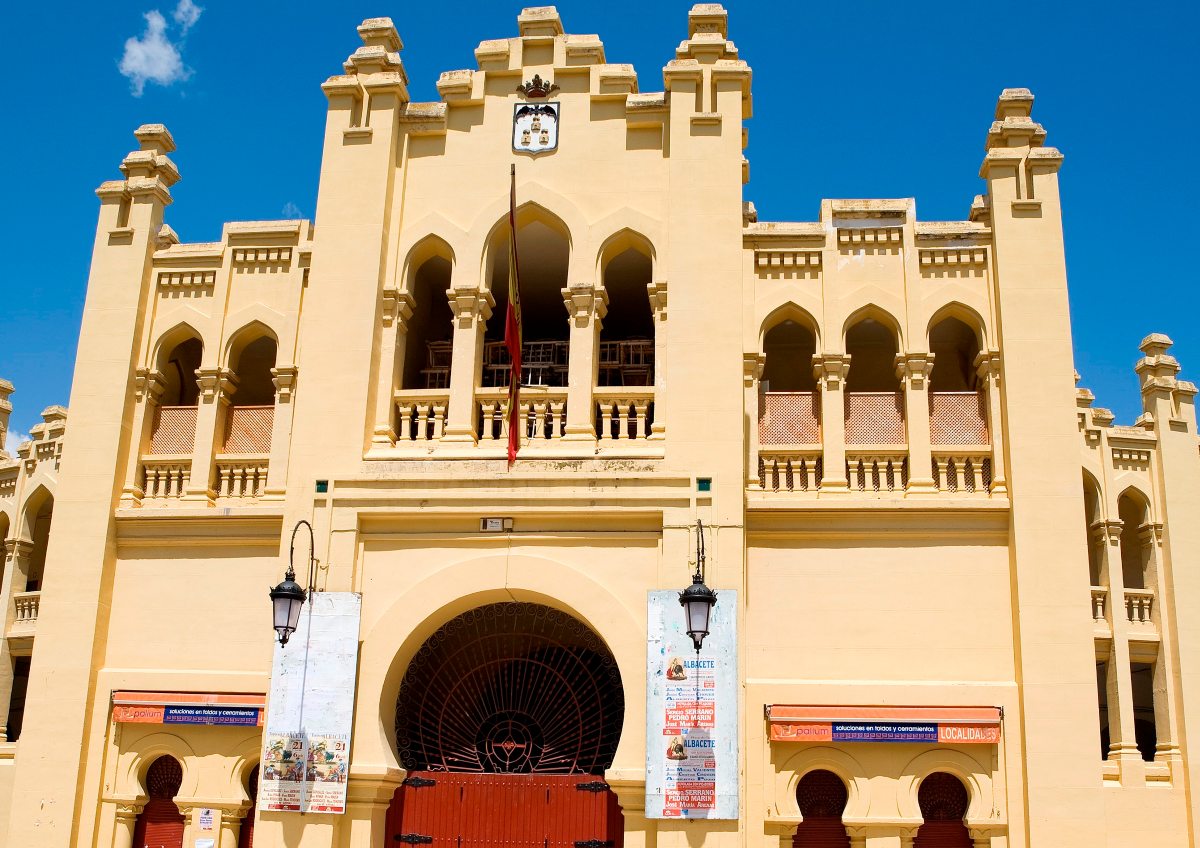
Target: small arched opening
1095,537
874,404
174,426
943,800
429,336
39,513
957,412
1133,511
160,824
627,330
789,410
822,798
251,411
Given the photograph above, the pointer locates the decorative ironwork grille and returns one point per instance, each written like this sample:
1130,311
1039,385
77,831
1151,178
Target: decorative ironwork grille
511,688
957,418
248,429
874,418
789,418
942,797
174,430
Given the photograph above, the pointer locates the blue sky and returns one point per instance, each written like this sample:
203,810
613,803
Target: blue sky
866,99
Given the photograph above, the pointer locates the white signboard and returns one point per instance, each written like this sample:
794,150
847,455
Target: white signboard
691,713
306,746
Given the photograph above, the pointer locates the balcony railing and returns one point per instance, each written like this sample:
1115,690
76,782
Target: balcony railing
962,471
623,413
877,472
25,613
790,470
1139,606
164,477
241,476
958,418
248,429
420,415
1099,602
875,418
542,414
789,418
174,430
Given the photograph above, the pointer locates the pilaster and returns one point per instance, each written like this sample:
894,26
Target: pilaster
586,306
988,367
752,371
283,377
397,310
217,386
831,370
472,308
126,812
16,554
658,303
368,796
148,387
914,369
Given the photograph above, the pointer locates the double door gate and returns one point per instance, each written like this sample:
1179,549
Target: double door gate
451,810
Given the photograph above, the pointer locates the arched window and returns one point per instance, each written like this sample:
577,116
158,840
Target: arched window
251,412
174,428
789,408
627,331
822,797
1132,510
39,514
957,411
160,824
1095,542
874,405
543,250
246,835
427,346
943,800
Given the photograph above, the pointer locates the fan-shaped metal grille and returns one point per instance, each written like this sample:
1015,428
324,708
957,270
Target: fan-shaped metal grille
821,794
163,778
942,797
511,688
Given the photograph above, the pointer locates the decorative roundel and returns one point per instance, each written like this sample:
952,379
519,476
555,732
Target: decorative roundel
513,688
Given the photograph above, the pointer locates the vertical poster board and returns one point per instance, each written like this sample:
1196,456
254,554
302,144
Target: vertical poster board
691,713
306,746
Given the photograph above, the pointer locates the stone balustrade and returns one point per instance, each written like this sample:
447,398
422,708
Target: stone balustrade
790,470
1099,603
542,414
877,472
1139,606
165,477
963,471
420,415
623,413
241,476
25,613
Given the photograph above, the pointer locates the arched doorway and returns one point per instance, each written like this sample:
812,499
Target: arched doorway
506,720
822,798
160,824
943,800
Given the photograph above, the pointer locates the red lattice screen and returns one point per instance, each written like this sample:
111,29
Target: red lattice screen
874,418
789,418
957,418
174,430
248,429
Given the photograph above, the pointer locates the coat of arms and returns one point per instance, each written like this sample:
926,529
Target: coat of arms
535,127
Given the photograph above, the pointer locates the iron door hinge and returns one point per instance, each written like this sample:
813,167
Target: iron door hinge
594,786
414,838
416,781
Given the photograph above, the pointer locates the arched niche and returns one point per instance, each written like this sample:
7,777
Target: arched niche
954,345
872,341
429,334
789,343
627,330
178,356
1133,509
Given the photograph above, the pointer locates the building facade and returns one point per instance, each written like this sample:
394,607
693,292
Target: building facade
919,518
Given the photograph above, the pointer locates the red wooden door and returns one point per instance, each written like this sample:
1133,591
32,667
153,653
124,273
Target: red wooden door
160,824
943,834
446,810
821,832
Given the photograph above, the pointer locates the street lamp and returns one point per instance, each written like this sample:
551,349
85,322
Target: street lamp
288,597
697,600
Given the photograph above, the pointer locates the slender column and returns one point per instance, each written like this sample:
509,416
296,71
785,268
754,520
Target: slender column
914,369
284,379
831,370
127,813
216,388
1166,710
397,309
231,819
148,389
658,303
16,553
1122,744
752,371
987,365
472,308
586,306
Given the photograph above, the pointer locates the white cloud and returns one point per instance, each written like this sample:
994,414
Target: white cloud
291,211
155,57
13,439
186,15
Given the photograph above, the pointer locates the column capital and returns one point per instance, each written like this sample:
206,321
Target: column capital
397,308
914,369
373,786
284,379
1151,533
148,384
831,369
127,807
216,383
658,298
752,367
470,305
584,302
1108,530
17,548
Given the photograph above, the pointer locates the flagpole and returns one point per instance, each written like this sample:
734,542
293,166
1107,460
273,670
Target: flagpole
512,324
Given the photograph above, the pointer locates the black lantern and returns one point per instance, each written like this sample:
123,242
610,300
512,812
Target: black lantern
288,597
697,600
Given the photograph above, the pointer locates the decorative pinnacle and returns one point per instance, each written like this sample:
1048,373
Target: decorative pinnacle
539,21
1014,103
155,137
1155,344
380,32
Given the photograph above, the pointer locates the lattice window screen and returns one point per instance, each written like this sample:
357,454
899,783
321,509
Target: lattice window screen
248,429
874,418
957,418
789,418
174,430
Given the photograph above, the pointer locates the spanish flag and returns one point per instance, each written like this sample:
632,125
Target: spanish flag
512,326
